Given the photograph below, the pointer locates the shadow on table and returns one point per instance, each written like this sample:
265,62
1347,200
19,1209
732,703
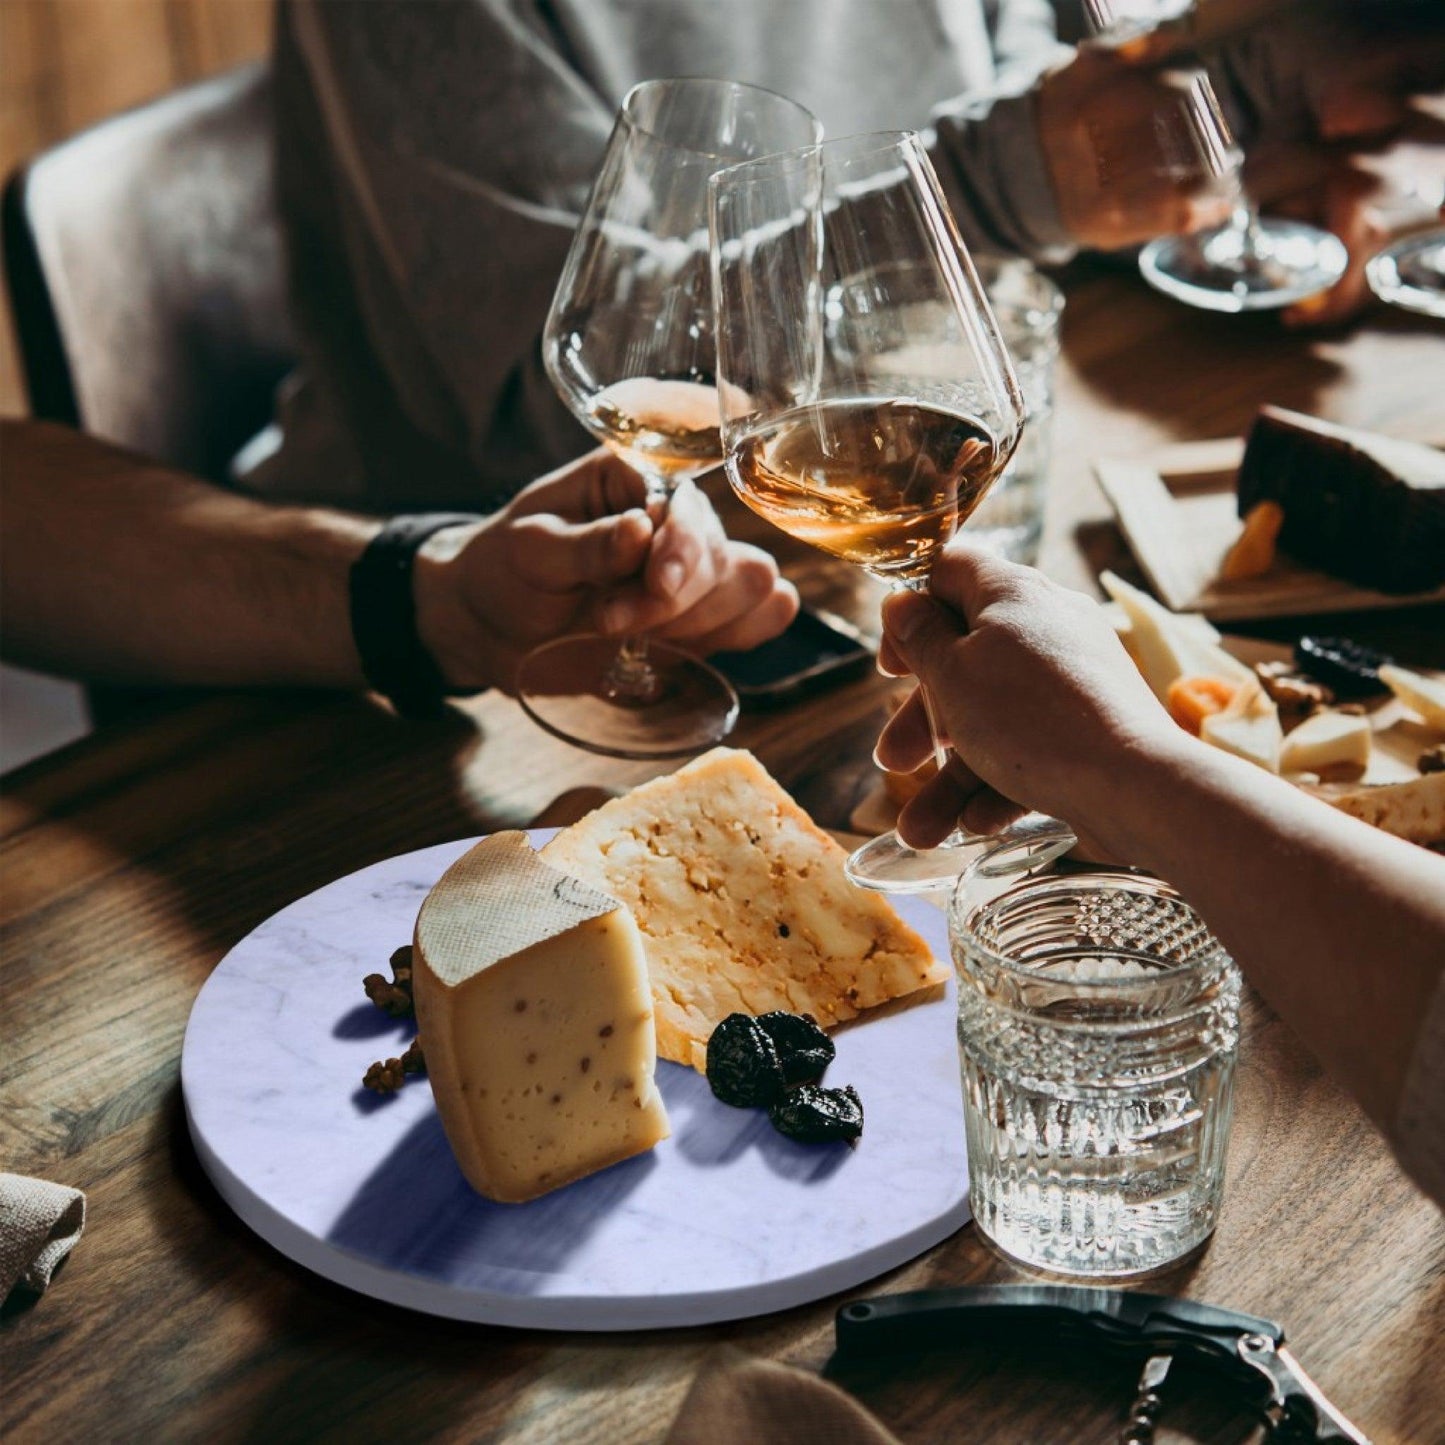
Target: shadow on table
416,1214
1110,337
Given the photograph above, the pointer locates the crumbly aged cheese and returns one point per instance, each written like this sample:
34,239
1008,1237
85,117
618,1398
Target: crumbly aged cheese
1413,810
1328,739
743,903
533,1005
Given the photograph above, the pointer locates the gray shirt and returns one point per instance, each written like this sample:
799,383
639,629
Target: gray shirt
434,157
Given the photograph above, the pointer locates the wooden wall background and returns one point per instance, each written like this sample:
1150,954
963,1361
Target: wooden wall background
65,64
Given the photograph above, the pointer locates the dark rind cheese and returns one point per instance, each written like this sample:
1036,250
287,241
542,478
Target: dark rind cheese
1367,508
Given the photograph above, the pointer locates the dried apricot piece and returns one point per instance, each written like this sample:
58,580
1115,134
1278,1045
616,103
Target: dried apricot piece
1253,552
1192,699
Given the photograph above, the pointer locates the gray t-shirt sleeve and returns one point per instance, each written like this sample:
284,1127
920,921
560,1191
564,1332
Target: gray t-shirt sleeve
450,223
986,144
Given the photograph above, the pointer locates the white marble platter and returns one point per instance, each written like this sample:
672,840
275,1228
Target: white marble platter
724,1220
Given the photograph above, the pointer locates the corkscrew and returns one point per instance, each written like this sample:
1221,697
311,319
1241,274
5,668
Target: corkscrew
1246,1351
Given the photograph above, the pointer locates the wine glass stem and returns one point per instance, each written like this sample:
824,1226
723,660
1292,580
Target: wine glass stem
941,746
632,677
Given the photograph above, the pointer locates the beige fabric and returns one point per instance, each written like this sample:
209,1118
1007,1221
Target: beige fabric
735,1399
1420,1124
39,1225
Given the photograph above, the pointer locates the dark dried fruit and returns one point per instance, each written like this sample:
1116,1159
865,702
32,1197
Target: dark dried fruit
394,997
814,1115
1349,668
1432,760
805,1050
743,1067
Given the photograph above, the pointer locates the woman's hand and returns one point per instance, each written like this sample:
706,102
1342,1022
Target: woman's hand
1041,703
577,550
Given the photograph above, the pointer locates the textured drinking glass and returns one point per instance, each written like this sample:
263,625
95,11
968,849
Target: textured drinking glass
1098,1025
1029,309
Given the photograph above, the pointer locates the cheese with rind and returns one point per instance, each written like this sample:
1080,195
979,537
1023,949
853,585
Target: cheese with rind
743,902
1328,739
535,1013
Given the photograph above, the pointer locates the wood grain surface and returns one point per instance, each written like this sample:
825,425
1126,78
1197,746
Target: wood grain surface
131,862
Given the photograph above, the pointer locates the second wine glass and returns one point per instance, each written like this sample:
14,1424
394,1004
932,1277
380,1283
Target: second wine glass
629,346
868,401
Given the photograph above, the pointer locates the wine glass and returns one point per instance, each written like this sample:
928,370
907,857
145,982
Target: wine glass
1251,262
1410,273
868,402
629,346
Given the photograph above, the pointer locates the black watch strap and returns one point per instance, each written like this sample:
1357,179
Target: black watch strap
383,614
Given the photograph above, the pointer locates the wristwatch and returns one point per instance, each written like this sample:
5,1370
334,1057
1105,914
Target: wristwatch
383,614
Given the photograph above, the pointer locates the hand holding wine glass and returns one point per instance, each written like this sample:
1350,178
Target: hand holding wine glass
1245,263
868,402
629,346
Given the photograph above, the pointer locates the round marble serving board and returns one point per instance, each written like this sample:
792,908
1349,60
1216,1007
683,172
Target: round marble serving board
724,1220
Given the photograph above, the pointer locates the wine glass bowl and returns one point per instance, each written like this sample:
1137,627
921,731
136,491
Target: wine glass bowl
628,345
868,402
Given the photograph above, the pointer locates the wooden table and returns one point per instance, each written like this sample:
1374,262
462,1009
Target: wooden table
133,861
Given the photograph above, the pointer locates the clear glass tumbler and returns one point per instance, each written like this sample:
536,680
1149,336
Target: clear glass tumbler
1098,1026
1029,309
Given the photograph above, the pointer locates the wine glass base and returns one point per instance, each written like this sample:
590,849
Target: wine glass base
567,687
1411,273
1216,271
888,865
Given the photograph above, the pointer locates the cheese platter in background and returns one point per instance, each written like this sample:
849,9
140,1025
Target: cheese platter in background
1376,750
1180,509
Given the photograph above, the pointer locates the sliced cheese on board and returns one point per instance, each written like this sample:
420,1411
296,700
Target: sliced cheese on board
1249,727
743,902
1413,809
1166,645
1328,739
535,1012
1425,695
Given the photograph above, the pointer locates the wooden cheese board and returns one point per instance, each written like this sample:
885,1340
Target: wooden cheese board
724,1220
1176,508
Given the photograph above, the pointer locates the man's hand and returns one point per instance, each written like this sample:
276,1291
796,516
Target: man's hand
1100,122
577,550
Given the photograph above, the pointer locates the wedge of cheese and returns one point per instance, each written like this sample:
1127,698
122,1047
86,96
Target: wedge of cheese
1169,645
1413,809
1328,739
534,1009
1426,695
743,902
1249,727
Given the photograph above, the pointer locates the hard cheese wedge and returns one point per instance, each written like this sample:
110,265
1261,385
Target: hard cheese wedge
743,902
533,1005
1329,739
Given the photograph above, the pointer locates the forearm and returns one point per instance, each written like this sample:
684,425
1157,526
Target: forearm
1342,928
116,570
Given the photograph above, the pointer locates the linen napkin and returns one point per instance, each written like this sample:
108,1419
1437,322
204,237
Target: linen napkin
39,1225
735,1398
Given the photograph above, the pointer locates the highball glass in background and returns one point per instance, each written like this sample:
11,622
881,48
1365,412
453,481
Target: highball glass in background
1028,308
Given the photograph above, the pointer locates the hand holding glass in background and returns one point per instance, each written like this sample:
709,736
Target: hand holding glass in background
1249,263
